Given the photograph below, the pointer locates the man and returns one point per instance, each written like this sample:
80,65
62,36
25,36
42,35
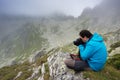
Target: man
93,53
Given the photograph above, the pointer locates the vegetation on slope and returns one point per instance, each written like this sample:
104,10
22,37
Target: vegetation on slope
108,73
10,72
111,70
22,43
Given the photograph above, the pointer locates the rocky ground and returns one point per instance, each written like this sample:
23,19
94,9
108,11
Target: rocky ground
59,71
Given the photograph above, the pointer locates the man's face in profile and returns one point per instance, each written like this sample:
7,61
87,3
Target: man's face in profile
84,39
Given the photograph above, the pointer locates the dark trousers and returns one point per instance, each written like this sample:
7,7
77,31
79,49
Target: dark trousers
77,65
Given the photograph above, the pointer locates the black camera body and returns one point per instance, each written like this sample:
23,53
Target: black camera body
78,41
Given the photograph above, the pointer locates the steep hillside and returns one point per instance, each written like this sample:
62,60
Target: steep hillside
20,44
27,35
51,67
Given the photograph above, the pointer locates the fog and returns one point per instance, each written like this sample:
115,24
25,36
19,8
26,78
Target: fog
45,7
38,8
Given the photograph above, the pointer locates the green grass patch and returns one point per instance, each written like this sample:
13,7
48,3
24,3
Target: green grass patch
108,73
41,60
7,73
47,74
115,61
46,67
10,72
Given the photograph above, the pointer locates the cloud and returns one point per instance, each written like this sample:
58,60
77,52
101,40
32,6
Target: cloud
44,7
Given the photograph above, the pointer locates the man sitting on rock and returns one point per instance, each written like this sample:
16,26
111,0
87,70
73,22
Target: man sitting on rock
92,52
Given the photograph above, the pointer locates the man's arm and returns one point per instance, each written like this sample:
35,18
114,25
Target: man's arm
86,51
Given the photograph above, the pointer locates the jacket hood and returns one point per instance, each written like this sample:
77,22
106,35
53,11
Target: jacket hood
96,37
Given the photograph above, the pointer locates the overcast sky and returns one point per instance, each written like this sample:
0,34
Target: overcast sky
43,7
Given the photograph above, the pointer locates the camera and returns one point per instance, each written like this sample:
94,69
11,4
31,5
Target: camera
78,41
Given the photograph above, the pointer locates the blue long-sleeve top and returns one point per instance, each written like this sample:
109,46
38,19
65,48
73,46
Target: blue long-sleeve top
94,52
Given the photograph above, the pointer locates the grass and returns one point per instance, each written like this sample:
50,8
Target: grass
115,61
10,72
46,75
7,73
41,60
108,73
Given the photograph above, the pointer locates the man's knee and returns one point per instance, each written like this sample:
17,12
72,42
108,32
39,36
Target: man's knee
69,62
66,61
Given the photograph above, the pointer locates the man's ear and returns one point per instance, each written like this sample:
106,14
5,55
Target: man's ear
85,37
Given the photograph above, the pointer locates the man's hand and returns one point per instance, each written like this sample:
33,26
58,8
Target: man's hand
75,56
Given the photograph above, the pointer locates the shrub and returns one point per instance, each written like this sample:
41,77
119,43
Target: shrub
115,61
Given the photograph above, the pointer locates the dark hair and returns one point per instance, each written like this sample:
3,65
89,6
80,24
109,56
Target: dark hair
86,33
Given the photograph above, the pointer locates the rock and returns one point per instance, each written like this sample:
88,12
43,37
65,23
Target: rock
59,71
116,51
36,55
41,78
43,69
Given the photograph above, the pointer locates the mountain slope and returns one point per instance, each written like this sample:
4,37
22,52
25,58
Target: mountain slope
37,39
21,43
51,67
103,18
31,34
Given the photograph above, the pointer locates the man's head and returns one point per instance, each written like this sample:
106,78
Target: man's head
85,35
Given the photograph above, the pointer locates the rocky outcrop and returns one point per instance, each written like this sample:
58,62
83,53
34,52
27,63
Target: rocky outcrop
114,52
59,71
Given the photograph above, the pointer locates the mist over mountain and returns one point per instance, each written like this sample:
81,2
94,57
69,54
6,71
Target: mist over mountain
104,17
22,36
10,23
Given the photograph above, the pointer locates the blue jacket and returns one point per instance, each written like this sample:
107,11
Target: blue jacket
94,52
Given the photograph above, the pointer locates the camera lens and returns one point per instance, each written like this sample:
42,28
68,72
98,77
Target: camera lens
78,42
